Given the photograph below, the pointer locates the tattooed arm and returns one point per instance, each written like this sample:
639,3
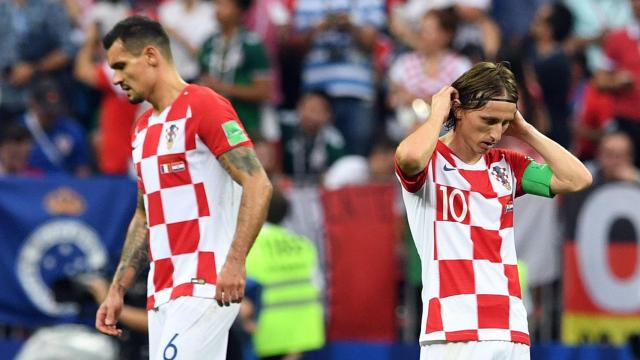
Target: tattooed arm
133,259
243,166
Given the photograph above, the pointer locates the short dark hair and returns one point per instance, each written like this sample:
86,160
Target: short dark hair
136,32
480,84
560,21
317,93
278,207
447,20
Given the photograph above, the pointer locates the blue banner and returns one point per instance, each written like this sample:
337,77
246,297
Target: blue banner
51,231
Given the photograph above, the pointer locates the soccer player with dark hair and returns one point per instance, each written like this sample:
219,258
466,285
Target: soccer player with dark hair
459,191
202,199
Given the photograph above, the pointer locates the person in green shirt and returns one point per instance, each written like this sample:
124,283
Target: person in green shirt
291,319
234,63
310,143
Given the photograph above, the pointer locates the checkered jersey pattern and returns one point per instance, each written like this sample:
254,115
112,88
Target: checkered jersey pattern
461,218
191,201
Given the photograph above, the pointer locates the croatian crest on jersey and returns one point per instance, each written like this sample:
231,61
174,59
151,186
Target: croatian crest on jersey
171,134
500,173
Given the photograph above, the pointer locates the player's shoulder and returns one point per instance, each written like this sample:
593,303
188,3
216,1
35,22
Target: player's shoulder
202,96
510,156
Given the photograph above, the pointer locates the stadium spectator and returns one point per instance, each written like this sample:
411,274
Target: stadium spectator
200,173
15,147
340,37
59,143
310,143
620,75
234,63
592,110
459,186
422,73
291,319
354,169
615,160
478,36
189,23
514,19
116,114
594,20
552,67
35,41
269,19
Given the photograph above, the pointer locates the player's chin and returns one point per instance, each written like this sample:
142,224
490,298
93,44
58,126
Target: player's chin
135,99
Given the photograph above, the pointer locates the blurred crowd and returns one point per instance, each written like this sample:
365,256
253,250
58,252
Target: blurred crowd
326,88
318,84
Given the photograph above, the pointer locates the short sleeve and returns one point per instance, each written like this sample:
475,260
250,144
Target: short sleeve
518,163
219,126
413,183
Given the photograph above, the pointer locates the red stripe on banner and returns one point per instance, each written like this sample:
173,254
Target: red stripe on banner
622,260
361,237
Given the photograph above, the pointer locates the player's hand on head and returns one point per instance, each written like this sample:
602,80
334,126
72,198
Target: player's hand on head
231,283
519,127
442,102
108,315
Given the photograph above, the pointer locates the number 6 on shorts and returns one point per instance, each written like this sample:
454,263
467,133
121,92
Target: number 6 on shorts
171,349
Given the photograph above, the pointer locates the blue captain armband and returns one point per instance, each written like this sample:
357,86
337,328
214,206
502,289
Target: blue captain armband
536,180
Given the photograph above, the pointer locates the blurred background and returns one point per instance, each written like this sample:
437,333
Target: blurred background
326,89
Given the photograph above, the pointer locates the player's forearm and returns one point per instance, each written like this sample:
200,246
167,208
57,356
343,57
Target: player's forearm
415,150
256,195
569,172
134,256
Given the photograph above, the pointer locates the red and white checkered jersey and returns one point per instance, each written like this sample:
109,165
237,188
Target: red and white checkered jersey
191,201
461,219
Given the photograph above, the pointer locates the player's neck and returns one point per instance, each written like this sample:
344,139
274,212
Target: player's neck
460,148
168,87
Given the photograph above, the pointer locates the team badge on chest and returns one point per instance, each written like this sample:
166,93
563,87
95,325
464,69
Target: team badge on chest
501,175
170,135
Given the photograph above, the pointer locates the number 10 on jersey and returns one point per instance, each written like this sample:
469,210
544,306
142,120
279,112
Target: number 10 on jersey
452,204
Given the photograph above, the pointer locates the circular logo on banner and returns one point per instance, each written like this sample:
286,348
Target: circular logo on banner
57,249
592,235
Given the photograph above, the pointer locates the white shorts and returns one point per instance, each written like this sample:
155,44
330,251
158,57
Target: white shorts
494,350
189,328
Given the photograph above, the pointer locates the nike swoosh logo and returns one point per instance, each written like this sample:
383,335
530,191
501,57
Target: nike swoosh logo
448,168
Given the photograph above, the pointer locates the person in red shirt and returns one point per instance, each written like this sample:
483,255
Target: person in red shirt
116,113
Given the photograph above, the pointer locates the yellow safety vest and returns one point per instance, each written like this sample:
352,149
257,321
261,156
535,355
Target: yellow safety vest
292,318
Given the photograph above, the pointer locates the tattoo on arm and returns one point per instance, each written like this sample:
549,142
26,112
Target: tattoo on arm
135,252
140,203
243,159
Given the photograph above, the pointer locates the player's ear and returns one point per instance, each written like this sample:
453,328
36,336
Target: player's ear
151,55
